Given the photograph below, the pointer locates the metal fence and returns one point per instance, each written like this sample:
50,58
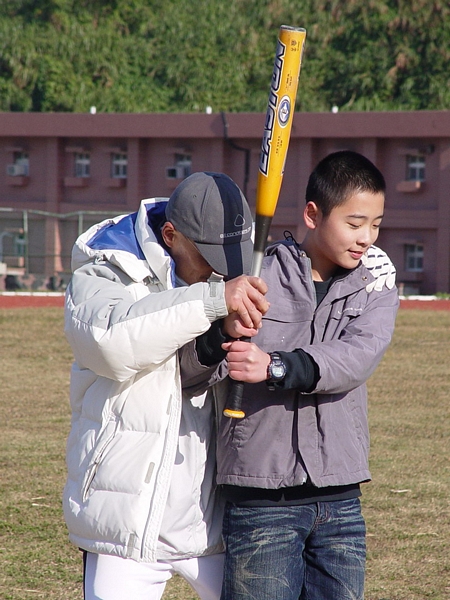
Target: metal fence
36,245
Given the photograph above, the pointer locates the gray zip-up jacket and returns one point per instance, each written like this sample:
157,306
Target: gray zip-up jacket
287,435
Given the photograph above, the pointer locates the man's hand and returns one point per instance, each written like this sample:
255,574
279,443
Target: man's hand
246,362
246,306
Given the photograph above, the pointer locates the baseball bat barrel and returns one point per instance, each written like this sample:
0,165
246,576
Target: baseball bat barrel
274,146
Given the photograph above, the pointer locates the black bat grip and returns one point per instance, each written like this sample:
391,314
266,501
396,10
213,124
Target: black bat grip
234,401
233,407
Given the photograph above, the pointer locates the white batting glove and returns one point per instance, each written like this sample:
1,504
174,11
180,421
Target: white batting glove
381,267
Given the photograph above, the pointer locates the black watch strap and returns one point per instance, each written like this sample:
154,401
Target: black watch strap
276,370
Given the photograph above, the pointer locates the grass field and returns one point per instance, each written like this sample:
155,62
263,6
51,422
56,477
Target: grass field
406,505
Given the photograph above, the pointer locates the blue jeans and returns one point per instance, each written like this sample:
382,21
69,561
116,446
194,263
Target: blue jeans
309,552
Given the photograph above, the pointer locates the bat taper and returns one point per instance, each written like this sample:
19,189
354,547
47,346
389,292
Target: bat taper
275,142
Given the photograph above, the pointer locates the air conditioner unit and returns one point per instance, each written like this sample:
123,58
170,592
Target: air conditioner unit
16,170
176,172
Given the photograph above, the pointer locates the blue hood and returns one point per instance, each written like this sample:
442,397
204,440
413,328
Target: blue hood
121,235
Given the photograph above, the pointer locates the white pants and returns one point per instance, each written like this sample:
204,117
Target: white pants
114,578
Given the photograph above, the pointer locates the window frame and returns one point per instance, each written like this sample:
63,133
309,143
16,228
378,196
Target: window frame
82,165
414,257
119,165
22,159
415,167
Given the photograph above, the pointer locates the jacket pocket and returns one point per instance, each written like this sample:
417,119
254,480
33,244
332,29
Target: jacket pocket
286,326
289,311
341,314
103,442
347,310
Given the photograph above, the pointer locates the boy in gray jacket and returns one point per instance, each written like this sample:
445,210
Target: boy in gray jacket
291,469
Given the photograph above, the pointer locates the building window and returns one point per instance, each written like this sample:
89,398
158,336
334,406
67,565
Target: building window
82,164
119,165
182,167
414,258
20,166
415,167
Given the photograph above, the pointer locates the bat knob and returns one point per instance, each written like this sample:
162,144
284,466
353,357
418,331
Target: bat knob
233,406
234,414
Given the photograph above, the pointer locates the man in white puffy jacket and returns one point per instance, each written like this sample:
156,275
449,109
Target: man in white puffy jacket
139,498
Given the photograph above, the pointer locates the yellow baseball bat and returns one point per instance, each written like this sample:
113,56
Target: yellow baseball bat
274,147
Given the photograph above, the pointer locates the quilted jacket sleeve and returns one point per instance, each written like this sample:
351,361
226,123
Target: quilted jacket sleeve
117,336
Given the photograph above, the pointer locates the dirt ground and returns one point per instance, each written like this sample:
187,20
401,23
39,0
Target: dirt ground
426,304
30,301
44,300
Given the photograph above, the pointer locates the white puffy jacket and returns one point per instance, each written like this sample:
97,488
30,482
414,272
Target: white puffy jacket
139,483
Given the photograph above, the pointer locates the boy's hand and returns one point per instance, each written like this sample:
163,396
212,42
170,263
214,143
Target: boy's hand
381,267
246,305
234,327
246,362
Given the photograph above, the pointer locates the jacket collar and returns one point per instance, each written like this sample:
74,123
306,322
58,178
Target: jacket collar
128,242
348,281
150,217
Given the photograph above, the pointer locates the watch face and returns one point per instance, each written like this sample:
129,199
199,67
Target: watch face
277,368
277,371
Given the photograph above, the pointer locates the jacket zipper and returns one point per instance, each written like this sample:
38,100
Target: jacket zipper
94,466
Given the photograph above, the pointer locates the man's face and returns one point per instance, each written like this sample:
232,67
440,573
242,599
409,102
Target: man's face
190,265
350,229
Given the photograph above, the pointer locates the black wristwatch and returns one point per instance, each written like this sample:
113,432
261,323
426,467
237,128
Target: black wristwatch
276,370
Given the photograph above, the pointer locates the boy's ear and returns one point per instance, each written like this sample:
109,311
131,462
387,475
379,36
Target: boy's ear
168,234
311,214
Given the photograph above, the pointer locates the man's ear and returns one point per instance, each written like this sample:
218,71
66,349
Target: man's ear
311,215
168,234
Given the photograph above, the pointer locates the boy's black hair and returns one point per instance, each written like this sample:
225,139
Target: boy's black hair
340,175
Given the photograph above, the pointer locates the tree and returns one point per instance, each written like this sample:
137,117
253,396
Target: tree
161,56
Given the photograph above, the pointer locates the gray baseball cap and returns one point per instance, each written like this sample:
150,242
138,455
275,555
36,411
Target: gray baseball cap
210,210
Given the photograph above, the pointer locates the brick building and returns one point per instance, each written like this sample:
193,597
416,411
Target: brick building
59,173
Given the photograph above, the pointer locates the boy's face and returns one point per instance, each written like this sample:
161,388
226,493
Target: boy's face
341,239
